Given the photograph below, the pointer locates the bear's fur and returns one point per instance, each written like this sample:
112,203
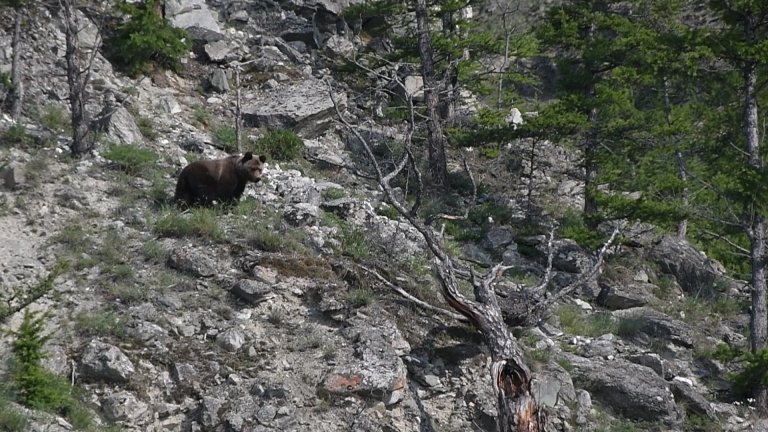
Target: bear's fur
222,180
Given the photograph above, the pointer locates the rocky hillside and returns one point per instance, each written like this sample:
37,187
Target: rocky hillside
263,317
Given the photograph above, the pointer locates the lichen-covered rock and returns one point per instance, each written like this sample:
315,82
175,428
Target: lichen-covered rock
102,361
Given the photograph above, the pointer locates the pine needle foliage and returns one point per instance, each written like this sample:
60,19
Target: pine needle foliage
145,40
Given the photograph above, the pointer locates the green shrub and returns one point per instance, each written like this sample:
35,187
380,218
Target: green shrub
574,321
334,193
16,135
360,297
200,222
35,386
55,118
388,212
145,40
202,115
225,137
572,226
280,145
10,419
130,158
147,127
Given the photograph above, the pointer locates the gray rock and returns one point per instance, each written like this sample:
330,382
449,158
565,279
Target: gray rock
568,255
339,47
631,390
119,126
645,324
305,107
599,348
266,414
302,214
188,14
209,412
694,272
651,360
252,291
219,81
102,361
185,375
692,400
231,339
218,51
498,237
376,370
188,260
614,295
343,207
13,176
125,407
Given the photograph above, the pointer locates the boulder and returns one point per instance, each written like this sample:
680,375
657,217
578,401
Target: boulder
305,106
647,324
694,272
102,361
634,391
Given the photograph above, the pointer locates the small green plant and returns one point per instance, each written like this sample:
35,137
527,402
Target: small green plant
355,243
280,145
200,222
145,40
16,135
360,297
225,137
388,212
275,316
55,118
35,386
334,193
629,327
574,321
202,115
490,152
153,251
100,323
73,237
572,226
147,127
10,419
131,159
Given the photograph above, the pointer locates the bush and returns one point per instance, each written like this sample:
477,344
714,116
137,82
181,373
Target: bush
16,135
35,386
200,222
145,40
225,137
131,158
281,145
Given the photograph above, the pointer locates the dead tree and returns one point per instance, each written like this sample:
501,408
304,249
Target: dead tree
78,74
17,92
512,379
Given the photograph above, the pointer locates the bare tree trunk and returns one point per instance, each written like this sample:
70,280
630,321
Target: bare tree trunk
682,225
590,171
77,79
758,324
17,96
436,141
238,115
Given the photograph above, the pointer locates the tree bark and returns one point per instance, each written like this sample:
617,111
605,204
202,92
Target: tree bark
77,78
758,324
436,141
17,95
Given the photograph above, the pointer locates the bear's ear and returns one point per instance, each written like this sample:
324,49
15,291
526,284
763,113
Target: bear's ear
263,158
248,156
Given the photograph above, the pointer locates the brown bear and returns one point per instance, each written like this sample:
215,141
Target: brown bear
222,180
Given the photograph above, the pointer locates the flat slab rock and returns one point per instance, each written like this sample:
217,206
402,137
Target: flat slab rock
303,106
375,368
634,391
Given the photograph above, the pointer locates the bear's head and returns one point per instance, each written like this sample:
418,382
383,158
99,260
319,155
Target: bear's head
250,167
